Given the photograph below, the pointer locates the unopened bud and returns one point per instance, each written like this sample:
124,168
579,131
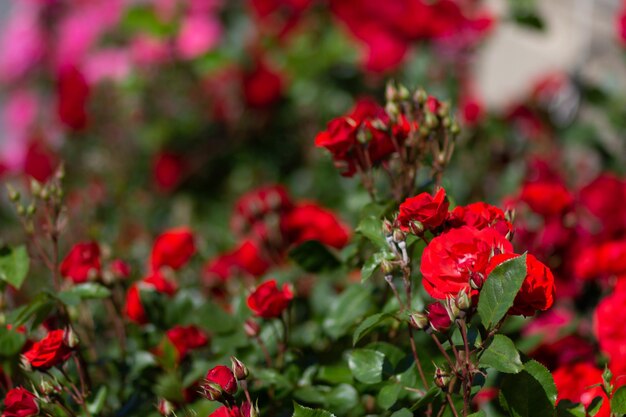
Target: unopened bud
30,210
431,121
455,129
392,110
451,308
212,391
417,227
363,136
387,227
45,193
70,338
420,96
463,301
476,281
399,236
418,320
14,195
249,410
444,109
251,328
386,266
25,364
446,122
60,174
165,407
21,210
403,92
391,93
442,378
45,387
239,369
35,187
424,131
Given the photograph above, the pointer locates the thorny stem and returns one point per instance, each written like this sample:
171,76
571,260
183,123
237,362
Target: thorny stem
442,350
467,380
266,353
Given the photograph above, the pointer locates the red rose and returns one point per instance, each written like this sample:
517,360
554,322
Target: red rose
566,351
576,383
608,322
186,338
308,221
438,317
480,216
224,377
263,86
620,25
268,301
251,208
537,291
247,258
82,263
119,268
603,199
428,210
546,199
224,411
339,136
173,248
20,402
608,259
72,97
134,309
39,162
453,258
167,171
472,110
50,351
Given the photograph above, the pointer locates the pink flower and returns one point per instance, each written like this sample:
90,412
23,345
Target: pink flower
198,35
23,42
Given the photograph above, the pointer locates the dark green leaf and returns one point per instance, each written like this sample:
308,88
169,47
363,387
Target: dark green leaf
403,412
618,402
346,309
313,256
426,398
500,289
480,413
14,264
368,325
11,342
529,393
96,406
388,395
595,406
342,398
502,355
366,365
566,408
300,411
373,262
170,387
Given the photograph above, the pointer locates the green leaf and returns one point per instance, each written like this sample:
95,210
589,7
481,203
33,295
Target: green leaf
300,411
96,406
313,256
566,408
346,309
366,365
426,398
11,342
388,395
39,307
529,393
342,398
618,402
14,264
502,355
371,228
86,291
403,412
170,387
595,405
368,325
500,289
373,262
480,413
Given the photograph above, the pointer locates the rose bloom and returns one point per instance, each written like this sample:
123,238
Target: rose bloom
40,162
263,85
268,301
82,262
254,205
173,248
573,382
20,402
451,259
424,208
479,216
608,322
246,258
537,291
49,351
603,199
546,199
604,260
186,338
224,377
167,171
134,309
119,268
72,96
566,351
224,411
438,317
309,221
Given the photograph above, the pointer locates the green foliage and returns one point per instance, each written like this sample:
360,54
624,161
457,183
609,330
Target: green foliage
368,325
618,401
86,291
346,309
500,289
502,355
14,264
366,365
530,392
313,256
300,411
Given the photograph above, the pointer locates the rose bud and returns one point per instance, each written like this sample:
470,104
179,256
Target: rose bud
239,369
438,317
477,281
82,263
46,388
387,227
212,391
463,301
451,308
268,301
249,410
25,364
442,379
120,269
173,248
165,407
20,402
224,377
251,328
418,320
70,338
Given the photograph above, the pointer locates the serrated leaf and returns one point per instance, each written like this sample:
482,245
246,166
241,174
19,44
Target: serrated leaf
618,402
301,411
14,264
367,325
313,256
502,355
366,365
500,289
373,262
371,228
529,393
